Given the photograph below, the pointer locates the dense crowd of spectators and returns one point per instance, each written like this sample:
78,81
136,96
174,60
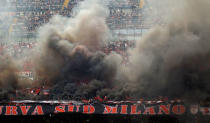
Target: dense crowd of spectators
24,17
20,50
28,15
125,14
15,48
120,47
37,12
34,13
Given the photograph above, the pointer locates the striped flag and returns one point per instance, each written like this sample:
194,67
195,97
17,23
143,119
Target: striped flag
65,4
11,26
141,4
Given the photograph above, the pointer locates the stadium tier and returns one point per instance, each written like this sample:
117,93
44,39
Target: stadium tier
113,61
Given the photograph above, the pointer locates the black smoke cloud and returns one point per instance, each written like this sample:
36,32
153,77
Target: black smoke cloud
69,58
8,79
174,60
63,60
170,61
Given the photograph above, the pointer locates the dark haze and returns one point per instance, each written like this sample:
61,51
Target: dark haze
8,79
70,60
174,60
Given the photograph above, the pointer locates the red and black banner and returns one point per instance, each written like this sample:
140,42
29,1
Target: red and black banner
121,107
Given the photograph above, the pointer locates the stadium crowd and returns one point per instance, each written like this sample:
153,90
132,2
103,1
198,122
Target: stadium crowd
21,51
34,13
37,12
29,15
17,49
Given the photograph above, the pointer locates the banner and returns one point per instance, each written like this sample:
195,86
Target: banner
50,107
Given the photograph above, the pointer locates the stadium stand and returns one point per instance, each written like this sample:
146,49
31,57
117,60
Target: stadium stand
125,20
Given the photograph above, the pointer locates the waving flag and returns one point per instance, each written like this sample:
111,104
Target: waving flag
141,4
13,23
65,4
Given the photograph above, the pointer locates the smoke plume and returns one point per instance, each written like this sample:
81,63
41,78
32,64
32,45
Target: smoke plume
8,79
70,53
174,60
169,61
